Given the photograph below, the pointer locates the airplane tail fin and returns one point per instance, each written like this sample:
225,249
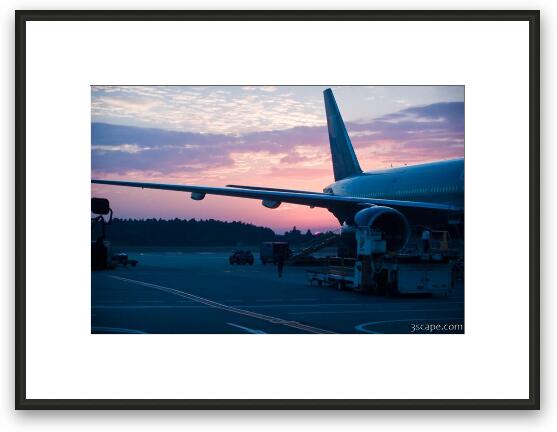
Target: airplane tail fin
345,162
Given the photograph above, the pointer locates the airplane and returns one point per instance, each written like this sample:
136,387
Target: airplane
389,200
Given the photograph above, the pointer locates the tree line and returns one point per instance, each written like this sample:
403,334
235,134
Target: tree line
192,232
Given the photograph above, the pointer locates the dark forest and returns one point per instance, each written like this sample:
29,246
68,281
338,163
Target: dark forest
192,232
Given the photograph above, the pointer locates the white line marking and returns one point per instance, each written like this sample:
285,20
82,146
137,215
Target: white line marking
374,311
188,304
247,329
116,330
395,305
361,327
213,304
147,306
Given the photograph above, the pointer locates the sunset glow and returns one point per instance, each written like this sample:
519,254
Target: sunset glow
270,136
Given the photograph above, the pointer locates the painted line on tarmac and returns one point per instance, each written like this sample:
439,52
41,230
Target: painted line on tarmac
147,306
247,329
116,330
374,311
336,305
213,304
362,327
189,304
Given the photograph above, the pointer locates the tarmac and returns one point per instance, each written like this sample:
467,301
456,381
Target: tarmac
200,292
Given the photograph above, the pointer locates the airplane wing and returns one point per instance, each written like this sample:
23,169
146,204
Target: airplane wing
272,198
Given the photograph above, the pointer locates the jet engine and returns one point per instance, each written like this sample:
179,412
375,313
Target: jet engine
392,224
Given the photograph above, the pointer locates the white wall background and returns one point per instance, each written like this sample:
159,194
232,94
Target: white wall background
246,421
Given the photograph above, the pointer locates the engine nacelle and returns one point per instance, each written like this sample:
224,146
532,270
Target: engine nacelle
392,224
271,204
197,196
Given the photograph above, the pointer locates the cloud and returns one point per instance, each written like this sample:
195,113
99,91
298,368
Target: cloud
211,109
125,148
130,106
415,134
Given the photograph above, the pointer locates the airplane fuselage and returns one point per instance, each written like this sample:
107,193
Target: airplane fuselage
436,182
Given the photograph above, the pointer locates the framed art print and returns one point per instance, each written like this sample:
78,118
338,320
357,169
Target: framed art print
287,210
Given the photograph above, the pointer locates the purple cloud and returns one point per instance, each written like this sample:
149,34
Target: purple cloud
414,134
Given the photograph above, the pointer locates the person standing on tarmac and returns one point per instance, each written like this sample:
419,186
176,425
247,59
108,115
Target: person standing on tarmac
426,235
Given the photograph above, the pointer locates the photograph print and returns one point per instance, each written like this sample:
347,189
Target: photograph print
277,209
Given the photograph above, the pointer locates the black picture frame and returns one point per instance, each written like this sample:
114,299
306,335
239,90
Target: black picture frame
531,16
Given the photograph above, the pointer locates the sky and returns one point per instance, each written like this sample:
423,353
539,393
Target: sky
272,136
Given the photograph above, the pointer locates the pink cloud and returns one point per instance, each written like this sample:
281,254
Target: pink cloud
296,158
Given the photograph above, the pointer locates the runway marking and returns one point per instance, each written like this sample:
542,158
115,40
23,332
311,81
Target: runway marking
268,300
335,304
213,304
374,311
361,327
191,305
247,329
116,330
